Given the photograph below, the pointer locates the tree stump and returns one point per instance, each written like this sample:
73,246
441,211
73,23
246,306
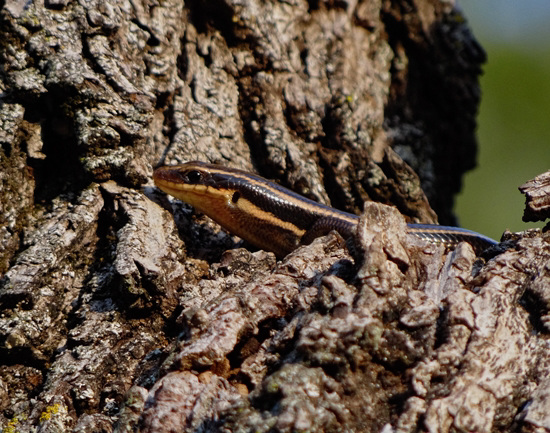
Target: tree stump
123,310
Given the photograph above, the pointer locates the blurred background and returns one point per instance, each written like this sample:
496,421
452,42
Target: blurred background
514,117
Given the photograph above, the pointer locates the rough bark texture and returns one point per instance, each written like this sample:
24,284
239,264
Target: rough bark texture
121,310
537,198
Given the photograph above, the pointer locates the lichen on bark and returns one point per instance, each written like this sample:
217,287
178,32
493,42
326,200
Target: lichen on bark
123,310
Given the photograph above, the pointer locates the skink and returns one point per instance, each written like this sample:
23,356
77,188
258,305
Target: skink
272,217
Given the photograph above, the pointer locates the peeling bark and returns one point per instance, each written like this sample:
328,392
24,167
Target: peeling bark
122,310
537,201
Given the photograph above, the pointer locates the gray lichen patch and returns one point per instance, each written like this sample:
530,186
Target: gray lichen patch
124,311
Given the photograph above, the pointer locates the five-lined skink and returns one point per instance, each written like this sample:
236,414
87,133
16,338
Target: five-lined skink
272,217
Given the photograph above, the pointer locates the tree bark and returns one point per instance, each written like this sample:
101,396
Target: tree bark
123,310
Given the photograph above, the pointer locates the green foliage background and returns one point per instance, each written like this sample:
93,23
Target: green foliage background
514,137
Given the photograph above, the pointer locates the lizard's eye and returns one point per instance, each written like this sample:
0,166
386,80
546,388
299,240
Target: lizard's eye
193,177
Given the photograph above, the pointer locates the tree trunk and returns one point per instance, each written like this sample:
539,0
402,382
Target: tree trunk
122,310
